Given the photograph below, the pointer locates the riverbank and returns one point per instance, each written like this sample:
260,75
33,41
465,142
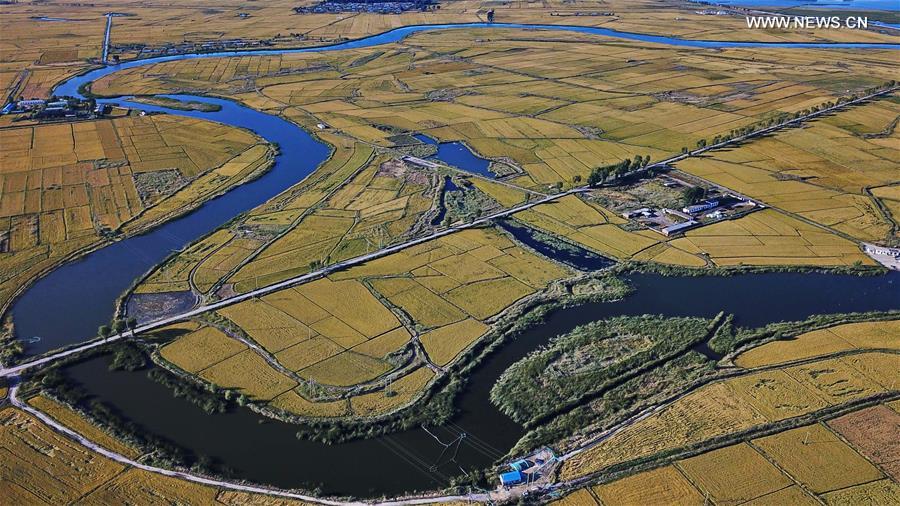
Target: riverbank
750,297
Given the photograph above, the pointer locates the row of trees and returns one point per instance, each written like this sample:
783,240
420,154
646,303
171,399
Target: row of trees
784,117
117,326
616,170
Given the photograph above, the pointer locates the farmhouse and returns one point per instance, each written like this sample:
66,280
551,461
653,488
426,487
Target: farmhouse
703,206
678,227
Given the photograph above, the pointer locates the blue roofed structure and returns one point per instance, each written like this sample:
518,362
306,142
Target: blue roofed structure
511,478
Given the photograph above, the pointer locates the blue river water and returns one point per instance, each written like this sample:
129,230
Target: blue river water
70,87
459,155
875,5
68,305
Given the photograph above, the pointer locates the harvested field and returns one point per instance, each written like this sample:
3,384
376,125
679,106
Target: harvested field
873,493
873,433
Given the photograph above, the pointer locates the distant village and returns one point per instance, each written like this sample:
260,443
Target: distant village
335,6
55,108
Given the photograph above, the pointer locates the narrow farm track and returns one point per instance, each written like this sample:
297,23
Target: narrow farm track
106,34
13,372
18,369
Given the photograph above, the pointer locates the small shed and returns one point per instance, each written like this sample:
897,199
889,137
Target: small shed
511,478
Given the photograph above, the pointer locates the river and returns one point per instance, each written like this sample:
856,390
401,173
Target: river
266,451
69,304
80,296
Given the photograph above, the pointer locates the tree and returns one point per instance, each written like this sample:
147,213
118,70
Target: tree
490,16
684,150
104,331
576,179
701,144
598,176
646,160
693,195
118,326
131,323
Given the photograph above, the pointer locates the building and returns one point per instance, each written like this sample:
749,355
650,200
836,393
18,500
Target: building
644,211
520,465
27,105
703,206
680,214
678,227
880,250
511,478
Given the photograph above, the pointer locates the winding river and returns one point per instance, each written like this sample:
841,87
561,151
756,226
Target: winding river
266,451
81,295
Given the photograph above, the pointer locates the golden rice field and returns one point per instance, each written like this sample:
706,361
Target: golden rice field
851,336
41,467
63,185
555,104
665,484
289,219
735,404
765,238
805,465
818,459
346,330
220,359
819,172
71,419
381,204
769,237
875,492
734,474
39,53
